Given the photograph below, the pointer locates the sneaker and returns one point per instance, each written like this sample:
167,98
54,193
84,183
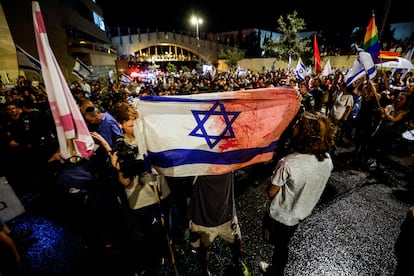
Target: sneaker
244,268
264,267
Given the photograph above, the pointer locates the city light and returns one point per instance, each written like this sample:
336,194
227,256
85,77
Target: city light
197,21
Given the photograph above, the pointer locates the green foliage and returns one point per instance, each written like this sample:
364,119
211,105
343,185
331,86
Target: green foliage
232,56
171,68
290,43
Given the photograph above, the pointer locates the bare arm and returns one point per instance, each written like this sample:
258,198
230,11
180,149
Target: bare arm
114,158
272,190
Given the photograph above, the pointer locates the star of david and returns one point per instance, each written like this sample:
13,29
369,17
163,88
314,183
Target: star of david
202,117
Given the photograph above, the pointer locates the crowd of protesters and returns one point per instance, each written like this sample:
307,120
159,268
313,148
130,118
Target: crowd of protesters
369,115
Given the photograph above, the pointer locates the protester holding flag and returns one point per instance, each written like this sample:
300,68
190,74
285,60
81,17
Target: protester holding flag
212,214
297,184
366,119
392,124
146,244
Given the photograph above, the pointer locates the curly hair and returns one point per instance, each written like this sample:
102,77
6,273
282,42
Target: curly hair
313,134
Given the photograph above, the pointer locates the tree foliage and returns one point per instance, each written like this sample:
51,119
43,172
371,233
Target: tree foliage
172,68
289,43
232,56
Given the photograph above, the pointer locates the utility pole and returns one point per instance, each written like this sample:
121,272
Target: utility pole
387,8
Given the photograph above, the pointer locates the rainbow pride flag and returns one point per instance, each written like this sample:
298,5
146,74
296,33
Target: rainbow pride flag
371,43
388,55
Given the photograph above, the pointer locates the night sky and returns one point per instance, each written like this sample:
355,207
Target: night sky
222,16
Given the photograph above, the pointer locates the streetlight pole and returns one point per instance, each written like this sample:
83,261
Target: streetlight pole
197,21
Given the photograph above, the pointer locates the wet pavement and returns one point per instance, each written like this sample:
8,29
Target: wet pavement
352,231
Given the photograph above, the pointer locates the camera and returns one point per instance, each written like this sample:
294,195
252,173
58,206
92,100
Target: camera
129,165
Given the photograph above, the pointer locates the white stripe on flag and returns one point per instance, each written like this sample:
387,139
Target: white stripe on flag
27,62
301,70
81,69
214,133
125,79
363,66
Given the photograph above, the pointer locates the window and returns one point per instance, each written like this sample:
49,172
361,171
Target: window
99,21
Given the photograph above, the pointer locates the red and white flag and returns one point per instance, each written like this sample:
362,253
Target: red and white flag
73,134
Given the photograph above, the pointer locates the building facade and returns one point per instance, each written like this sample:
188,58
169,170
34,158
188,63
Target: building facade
75,29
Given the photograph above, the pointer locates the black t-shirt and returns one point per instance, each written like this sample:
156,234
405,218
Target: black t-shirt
212,200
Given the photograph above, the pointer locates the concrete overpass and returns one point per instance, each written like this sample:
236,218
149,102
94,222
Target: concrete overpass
164,46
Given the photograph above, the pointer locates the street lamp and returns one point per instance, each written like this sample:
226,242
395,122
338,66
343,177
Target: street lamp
197,21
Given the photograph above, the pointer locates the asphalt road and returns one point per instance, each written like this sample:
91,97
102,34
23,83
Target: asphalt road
352,231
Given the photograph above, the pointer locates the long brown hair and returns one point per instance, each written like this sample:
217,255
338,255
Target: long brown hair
313,134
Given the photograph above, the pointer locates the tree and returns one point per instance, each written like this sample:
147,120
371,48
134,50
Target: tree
232,56
171,68
290,43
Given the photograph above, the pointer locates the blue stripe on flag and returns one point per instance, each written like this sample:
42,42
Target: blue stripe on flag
354,77
178,99
179,157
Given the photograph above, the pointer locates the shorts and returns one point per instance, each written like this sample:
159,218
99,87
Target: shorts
228,231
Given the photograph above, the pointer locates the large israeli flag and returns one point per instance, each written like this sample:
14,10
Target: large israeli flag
213,133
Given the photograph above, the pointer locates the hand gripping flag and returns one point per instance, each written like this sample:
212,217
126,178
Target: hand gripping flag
73,134
214,133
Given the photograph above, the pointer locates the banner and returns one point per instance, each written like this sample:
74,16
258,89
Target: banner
10,204
214,133
73,134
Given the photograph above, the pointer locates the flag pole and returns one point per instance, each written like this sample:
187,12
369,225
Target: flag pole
71,149
155,188
387,11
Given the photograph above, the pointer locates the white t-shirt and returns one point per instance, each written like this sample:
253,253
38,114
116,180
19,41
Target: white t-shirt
302,179
341,103
142,193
